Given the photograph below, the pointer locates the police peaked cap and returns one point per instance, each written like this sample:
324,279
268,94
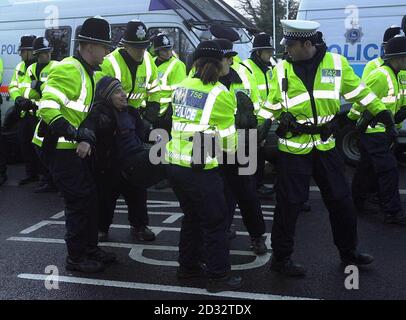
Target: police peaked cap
262,41
95,30
396,47
294,30
27,42
390,33
208,49
41,45
136,35
223,32
227,47
161,40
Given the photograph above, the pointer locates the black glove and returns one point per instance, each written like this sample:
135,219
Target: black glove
62,128
151,112
287,123
386,117
400,116
1,99
245,117
23,104
365,120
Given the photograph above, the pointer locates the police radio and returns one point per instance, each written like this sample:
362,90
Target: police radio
285,82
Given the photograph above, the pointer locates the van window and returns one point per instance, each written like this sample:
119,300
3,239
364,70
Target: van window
181,43
117,32
210,9
60,40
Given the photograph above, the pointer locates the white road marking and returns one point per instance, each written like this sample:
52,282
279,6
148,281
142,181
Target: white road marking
136,252
59,215
37,226
160,288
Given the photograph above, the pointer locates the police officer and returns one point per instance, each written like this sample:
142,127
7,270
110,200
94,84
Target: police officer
171,71
32,87
203,107
134,67
26,110
3,162
260,66
242,188
375,142
306,100
376,63
65,102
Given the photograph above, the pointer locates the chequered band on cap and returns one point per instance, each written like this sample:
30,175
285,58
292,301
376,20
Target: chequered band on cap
299,35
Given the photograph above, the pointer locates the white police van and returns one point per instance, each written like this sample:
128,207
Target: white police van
354,28
185,21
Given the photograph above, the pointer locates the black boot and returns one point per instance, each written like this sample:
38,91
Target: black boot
287,267
142,233
84,265
226,283
355,258
102,256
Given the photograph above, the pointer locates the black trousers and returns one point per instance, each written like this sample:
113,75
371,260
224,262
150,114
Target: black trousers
242,190
378,165
260,173
292,190
203,235
73,178
26,129
46,177
3,159
110,185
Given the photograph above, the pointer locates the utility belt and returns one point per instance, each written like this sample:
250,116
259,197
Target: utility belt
289,127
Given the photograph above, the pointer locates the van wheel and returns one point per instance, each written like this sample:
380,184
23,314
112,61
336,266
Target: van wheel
347,145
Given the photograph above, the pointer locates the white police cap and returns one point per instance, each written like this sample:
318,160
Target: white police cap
298,30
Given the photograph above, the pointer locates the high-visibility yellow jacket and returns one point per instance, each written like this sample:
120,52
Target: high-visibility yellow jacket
138,91
69,93
334,79
201,108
